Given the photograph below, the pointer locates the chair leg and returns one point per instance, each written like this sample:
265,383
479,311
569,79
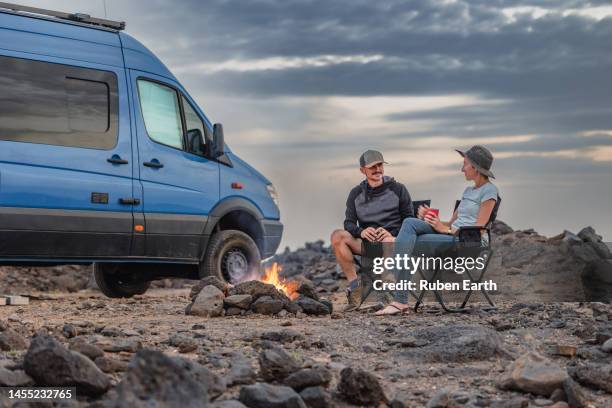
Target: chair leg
436,294
421,295
484,292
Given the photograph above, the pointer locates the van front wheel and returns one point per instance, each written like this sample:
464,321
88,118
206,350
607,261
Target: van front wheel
232,256
116,281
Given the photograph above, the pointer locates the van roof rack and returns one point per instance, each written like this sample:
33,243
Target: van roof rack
75,17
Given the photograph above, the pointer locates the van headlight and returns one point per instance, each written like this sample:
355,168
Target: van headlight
273,193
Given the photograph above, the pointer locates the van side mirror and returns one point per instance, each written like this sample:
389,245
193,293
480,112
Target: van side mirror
218,140
218,146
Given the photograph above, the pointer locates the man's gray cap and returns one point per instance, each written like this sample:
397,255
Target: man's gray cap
481,158
370,158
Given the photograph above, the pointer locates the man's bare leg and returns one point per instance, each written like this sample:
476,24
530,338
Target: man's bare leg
345,246
393,307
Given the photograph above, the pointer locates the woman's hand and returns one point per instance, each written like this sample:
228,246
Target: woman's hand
435,223
422,211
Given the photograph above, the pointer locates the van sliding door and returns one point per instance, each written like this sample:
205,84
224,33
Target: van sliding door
65,161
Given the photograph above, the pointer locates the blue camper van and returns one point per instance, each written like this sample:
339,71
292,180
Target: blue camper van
105,159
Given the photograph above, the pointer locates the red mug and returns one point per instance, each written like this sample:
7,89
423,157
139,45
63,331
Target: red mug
433,211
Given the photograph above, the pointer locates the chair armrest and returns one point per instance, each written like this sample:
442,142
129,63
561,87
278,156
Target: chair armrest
472,233
472,228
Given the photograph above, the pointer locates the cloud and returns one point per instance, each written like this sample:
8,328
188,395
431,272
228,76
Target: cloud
278,63
304,87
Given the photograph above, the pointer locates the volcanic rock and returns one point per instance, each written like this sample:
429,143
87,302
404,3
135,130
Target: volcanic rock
52,365
311,306
308,289
241,371
276,364
234,311
11,340
258,289
228,404
69,331
209,280
308,377
448,397
153,376
215,384
267,305
119,345
597,280
516,402
239,301
594,375
533,373
16,378
317,397
360,387
111,332
282,336
262,395
328,304
184,343
558,395
110,365
207,303
80,345
501,228
589,236
455,343
574,394
293,307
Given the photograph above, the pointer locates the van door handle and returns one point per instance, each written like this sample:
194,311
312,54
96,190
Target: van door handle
116,159
129,201
154,164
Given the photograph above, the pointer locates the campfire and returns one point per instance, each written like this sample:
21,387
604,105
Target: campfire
268,294
271,276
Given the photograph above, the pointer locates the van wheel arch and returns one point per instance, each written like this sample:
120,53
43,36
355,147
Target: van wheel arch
244,221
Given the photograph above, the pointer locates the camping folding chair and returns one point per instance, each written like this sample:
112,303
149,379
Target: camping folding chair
365,270
470,244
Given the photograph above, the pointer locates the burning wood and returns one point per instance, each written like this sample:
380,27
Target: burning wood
272,276
268,294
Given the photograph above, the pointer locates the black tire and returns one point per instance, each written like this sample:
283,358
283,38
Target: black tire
117,281
231,256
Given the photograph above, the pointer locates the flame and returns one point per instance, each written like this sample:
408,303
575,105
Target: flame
271,276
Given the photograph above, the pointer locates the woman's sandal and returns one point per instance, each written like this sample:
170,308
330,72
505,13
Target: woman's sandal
391,310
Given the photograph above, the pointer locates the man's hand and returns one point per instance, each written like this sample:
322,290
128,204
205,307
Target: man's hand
382,234
369,234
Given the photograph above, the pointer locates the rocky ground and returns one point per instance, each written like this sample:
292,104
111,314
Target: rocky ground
259,350
522,355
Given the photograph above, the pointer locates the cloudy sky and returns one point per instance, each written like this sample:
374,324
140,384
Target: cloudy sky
303,87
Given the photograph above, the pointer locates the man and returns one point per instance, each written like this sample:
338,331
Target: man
375,210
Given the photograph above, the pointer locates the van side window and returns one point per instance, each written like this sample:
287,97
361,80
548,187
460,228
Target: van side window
57,104
194,126
161,113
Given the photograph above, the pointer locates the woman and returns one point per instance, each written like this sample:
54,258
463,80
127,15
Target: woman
427,231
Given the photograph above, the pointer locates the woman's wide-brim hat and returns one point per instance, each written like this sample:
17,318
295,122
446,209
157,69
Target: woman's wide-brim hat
481,158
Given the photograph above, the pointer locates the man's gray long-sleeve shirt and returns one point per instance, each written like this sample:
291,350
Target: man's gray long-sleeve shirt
384,206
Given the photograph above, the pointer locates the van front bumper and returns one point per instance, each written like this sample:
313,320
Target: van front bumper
272,235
